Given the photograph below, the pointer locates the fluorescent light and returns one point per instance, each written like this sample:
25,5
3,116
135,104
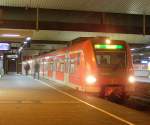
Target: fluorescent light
20,49
28,38
12,56
147,47
144,61
141,54
25,42
47,57
10,35
132,49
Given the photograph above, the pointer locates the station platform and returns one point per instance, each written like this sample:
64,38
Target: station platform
26,101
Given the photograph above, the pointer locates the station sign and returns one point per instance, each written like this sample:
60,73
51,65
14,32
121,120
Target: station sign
104,46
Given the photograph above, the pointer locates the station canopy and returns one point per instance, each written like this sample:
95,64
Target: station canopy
135,7
115,6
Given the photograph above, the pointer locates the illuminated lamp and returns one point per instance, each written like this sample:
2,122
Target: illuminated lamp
131,79
108,41
28,38
90,80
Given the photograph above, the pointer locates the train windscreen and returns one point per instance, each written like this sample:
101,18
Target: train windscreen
113,59
110,55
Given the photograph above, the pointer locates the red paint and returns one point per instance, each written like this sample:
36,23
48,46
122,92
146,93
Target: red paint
79,61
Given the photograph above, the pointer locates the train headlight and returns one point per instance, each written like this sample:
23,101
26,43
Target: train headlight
131,79
90,80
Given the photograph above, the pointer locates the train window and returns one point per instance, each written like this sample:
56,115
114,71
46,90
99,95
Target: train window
78,58
62,68
103,59
51,66
57,66
60,65
72,66
111,59
66,65
54,66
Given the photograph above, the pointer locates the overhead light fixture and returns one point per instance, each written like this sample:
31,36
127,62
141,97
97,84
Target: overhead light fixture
25,42
147,47
144,61
141,54
108,41
20,49
12,56
28,38
10,35
132,49
13,59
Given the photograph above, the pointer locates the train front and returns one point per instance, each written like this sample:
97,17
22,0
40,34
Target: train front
114,68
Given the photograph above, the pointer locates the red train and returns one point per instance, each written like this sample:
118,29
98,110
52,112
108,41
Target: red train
96,65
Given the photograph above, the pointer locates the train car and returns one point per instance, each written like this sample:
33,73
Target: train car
95,65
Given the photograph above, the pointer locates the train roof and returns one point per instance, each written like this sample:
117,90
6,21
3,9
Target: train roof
93,39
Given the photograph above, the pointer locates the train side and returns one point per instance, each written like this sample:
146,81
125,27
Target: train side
65,66
77,67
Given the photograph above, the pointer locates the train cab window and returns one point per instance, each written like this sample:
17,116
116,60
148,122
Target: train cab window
103,59
111,59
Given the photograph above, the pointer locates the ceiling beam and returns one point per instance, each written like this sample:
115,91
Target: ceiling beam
39,42
48,42
66,20
134,45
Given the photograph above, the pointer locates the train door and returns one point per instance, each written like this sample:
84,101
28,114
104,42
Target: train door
50,68
66,72
46,67
54,69
41,61
60,68
75,68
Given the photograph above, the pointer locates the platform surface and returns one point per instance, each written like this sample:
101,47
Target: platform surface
25,101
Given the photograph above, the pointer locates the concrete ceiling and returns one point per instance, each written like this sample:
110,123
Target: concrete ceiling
22,34
70,35
52,35
116,6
